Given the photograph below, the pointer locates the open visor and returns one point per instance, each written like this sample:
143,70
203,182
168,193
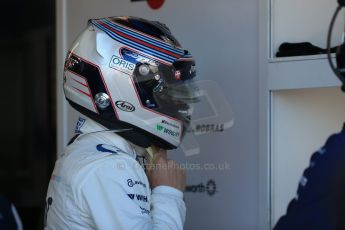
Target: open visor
212,115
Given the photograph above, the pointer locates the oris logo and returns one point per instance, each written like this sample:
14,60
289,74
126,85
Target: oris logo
122,65
154,4
125,106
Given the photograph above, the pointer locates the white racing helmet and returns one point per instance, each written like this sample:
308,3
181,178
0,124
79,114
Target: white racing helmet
130,73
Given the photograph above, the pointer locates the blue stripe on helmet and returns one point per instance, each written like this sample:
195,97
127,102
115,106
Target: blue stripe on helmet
147,39
132,44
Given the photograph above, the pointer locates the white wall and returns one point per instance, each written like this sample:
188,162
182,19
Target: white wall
222,35
303,21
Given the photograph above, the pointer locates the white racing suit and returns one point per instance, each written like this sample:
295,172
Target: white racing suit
97,183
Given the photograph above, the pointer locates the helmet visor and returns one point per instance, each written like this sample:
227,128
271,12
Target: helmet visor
168,89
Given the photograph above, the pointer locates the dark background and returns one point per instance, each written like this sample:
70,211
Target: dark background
28,145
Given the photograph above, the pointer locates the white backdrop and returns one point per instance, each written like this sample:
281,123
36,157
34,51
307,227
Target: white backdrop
222,36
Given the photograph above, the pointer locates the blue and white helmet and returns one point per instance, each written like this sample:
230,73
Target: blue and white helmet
130,73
